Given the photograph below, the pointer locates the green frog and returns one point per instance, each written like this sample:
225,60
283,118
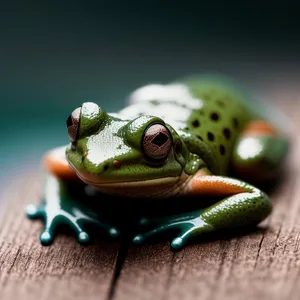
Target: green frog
200,138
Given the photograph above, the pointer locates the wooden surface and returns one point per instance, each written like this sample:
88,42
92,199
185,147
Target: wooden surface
262,264
65,270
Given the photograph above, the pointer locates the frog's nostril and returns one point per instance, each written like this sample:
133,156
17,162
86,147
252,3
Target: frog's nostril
116,164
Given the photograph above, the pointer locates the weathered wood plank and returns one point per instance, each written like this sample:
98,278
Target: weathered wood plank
64,270
263,264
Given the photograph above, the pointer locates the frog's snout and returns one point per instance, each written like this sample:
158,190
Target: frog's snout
115,164
109,165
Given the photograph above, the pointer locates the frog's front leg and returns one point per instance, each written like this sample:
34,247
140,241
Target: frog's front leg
59,207
242,205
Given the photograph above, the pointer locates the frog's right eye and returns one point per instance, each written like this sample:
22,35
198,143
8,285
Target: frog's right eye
73,122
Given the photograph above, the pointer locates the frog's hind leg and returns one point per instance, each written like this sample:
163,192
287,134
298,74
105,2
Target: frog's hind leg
241,205
259,152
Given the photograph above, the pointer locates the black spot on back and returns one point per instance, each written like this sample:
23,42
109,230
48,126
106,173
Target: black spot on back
196,123
214,116
235,122
222,149
210,136
227,133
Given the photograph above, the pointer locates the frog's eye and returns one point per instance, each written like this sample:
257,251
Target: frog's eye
73,125
156,142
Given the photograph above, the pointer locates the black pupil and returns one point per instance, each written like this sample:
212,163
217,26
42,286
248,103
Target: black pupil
69,121
160,139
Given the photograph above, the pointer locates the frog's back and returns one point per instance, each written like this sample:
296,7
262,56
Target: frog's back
212,109
224,113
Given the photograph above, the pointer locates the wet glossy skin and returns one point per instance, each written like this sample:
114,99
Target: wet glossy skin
184,139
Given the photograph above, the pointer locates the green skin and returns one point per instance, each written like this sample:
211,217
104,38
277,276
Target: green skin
205,119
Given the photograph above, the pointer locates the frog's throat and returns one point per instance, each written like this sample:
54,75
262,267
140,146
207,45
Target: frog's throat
158,188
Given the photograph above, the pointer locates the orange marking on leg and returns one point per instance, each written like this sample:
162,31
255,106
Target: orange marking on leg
260,127
215,186
55,162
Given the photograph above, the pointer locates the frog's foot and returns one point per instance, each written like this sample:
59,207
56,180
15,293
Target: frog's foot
76,219
187,228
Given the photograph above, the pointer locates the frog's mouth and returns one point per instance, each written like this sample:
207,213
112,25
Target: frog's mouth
149,188
138,183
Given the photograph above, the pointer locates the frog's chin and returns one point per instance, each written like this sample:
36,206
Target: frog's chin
158,187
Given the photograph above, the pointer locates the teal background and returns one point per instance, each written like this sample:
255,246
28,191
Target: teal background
55,55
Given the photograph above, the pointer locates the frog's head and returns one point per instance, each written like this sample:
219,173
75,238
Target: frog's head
106,151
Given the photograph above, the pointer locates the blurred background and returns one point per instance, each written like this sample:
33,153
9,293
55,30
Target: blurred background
56,54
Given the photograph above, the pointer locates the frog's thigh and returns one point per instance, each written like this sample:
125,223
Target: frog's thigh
259,152
56,164
241,205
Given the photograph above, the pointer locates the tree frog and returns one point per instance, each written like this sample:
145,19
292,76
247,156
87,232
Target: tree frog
198,138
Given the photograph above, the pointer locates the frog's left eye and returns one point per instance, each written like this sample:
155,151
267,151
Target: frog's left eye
73,125
157,142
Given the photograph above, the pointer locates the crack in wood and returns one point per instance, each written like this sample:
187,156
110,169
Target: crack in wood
259,249
122,252
169,276
219,273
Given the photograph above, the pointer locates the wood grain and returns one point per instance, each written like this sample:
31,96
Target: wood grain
263,264
64,270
